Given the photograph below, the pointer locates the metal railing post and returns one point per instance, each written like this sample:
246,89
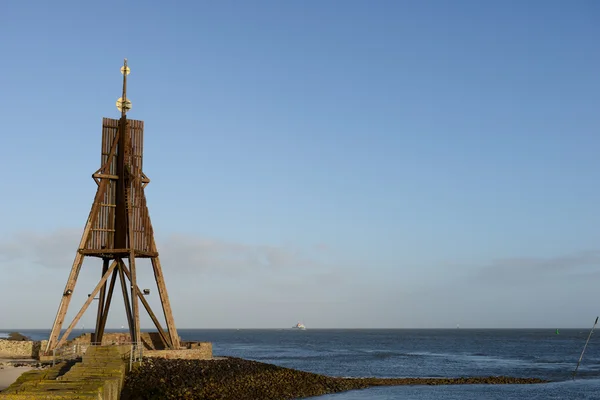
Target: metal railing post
131,358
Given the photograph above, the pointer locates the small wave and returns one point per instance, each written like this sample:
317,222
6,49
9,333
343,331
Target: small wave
430,354
3,335
384,354
340,356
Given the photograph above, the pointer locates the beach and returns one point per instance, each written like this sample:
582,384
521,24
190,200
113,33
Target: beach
13,362
10,373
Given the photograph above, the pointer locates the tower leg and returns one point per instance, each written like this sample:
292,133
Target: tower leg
64,303
164,299
101,303
137,338
111,288
126,299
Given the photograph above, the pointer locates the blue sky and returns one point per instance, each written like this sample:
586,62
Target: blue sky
344,163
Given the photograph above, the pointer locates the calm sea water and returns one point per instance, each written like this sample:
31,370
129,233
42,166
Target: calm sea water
422,353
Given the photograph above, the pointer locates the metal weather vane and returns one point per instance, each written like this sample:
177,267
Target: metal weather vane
123,103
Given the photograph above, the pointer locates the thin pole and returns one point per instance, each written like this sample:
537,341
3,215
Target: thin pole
124,110
586,343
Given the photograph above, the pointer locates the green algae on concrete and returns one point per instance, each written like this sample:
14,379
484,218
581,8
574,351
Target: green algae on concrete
36,375
99,376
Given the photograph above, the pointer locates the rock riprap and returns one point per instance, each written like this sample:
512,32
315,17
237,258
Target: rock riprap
234,378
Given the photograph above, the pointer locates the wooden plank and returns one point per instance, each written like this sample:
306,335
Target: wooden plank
108,254
104,251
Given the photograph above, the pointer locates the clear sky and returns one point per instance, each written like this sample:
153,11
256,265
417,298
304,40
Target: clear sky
343,163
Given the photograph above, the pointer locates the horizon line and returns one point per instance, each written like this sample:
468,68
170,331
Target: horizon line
10,330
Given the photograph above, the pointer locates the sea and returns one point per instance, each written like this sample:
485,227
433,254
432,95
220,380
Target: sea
392,353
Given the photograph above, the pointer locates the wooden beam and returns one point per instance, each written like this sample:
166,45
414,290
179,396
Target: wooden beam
126,299
138,254
164,299
145,180
89,252
130,199
134,298
101,301
86,304
111,289
105,176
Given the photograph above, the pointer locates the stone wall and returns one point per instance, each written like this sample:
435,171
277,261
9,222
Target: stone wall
152,347
150,340
79,345
195,351
21,348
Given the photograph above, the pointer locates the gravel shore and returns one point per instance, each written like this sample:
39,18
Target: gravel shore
234,378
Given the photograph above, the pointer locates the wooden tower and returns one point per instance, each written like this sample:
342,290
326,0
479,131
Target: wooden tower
118,229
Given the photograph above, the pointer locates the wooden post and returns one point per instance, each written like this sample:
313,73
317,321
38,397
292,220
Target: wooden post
136,337
126,299
100,331
101,302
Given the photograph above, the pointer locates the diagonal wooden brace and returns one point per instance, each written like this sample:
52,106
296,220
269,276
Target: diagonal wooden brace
87,303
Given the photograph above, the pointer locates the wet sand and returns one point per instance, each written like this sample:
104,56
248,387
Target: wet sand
9,374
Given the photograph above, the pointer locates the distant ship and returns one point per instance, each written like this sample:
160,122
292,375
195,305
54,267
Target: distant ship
299,325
